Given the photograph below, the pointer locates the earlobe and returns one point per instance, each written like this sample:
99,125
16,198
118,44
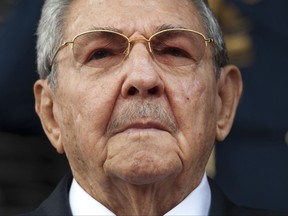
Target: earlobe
229,92
44,106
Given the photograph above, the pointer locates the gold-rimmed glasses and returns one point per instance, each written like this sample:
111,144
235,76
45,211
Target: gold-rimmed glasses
107,48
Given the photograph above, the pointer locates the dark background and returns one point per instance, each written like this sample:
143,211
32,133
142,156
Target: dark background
29,166
252,164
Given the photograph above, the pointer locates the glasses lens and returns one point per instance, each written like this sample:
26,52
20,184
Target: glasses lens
100,49
178,47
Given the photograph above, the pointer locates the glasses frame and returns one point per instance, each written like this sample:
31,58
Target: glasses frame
130,41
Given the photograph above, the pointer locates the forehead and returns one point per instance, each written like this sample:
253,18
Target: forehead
130,16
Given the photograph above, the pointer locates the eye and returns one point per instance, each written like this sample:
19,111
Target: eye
172,51
176,52
100,54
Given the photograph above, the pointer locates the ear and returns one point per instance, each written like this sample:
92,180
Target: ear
229,92
45,108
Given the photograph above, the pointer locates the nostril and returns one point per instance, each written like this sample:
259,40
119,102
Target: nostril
132,91
153,90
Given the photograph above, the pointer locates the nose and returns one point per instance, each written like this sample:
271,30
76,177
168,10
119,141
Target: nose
142,78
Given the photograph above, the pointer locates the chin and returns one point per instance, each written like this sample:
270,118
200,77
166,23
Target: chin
145,178
142,169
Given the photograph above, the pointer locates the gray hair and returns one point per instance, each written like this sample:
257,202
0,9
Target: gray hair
52,26
50,35
213,30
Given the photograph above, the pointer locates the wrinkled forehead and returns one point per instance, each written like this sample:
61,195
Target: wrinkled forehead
130,16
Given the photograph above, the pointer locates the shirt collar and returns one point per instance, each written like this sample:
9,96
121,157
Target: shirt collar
196,203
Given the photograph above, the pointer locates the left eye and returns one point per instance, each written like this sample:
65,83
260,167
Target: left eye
173,51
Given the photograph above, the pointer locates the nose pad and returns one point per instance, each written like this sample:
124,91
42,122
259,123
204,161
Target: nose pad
142,75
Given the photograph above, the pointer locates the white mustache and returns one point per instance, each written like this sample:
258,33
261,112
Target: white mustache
142,110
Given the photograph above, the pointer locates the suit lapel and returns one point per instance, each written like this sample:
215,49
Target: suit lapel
58,202
220,204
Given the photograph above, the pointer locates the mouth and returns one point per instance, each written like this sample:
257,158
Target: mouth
145,126
142,126
142,116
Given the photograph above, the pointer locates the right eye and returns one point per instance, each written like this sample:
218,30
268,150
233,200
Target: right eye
100,49
100,54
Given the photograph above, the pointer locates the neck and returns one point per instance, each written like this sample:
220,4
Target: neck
157,198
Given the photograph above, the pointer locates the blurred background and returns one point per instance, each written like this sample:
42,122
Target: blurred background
251,166
29,166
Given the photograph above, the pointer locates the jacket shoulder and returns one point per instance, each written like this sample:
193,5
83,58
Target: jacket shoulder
221,205
58,201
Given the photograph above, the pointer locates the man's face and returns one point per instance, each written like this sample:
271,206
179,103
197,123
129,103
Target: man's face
139,122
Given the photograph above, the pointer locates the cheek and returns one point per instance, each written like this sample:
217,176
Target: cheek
193,90
188,100
89,101
86,109
193,103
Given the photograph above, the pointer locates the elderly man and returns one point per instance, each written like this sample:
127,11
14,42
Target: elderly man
135,93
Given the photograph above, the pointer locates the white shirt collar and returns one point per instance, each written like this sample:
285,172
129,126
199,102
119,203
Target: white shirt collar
196,203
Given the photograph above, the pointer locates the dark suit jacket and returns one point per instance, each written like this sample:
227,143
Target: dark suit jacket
58,203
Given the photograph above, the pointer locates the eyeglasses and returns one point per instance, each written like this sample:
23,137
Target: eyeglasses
106,48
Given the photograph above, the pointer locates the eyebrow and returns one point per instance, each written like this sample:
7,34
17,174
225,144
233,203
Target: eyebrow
159,28
109,28
168,26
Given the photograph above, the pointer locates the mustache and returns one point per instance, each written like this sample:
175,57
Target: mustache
129,113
